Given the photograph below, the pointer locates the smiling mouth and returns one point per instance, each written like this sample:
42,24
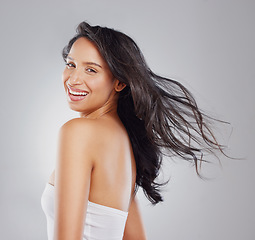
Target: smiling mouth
74,93
77,93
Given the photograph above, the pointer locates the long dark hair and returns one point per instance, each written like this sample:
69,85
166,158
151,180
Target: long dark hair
159,113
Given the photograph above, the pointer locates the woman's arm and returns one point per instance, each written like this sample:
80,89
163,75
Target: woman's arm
134,229
72,179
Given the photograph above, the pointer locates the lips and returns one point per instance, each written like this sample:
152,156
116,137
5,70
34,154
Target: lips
76,97
77,90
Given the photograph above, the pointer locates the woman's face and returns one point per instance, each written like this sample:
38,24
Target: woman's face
88,82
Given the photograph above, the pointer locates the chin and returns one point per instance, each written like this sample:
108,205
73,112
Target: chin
75,108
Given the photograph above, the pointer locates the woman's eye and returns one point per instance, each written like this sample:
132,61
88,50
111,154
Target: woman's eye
69,65
91,70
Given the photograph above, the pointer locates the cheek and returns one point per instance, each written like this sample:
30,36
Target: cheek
104,86
65,76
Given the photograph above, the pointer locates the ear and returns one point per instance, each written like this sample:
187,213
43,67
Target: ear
119,86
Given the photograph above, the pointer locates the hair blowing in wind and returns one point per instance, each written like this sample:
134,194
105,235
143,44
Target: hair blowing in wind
160,115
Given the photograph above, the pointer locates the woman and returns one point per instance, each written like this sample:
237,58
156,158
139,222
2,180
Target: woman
128,117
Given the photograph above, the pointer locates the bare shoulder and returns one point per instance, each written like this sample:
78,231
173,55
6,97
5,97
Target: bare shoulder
77,124
91,125
79,136
88,132
80,128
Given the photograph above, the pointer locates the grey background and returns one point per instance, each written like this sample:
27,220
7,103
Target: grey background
207,45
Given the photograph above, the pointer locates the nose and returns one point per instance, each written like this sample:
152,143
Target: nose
75,78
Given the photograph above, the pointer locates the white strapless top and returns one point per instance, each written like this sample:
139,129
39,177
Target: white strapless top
102,222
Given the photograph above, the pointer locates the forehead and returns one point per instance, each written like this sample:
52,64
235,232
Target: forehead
84,50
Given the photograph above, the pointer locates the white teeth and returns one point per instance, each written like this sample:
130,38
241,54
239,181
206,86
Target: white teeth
77,93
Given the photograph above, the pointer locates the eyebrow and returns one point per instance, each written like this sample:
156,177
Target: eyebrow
90,63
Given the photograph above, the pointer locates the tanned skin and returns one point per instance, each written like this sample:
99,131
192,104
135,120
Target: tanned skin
95,160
